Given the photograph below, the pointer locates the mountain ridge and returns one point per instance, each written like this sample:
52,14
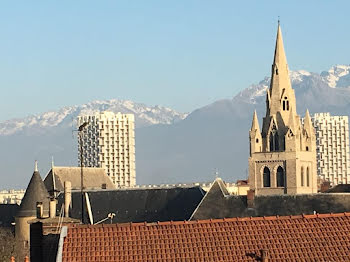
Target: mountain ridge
180,148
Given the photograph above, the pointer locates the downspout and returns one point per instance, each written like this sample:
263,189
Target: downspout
63,234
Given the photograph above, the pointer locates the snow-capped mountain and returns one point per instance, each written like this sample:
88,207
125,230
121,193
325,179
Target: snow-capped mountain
64,117
183,149
336,77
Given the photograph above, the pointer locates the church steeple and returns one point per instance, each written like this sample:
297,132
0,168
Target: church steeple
281,94
284,148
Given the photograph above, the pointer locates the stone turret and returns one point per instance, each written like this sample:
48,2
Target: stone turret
255,135
36,193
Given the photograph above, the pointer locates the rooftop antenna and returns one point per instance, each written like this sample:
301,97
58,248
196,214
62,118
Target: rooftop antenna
216,173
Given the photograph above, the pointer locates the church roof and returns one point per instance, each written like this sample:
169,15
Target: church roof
138,205
36,192
94,178
290,238
216,205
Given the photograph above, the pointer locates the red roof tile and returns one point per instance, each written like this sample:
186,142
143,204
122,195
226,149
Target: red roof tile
289,238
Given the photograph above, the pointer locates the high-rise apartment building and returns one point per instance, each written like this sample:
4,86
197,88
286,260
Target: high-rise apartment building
109,142
332,145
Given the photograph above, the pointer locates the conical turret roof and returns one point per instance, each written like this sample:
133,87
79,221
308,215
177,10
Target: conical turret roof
36,192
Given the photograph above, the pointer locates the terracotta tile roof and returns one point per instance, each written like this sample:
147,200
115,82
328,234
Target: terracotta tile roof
323,237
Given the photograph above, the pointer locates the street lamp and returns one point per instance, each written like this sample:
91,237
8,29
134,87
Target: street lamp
81,129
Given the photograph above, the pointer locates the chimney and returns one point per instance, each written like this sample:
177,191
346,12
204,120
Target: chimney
264,255
52,207
250,198
325,186
39,210
67,197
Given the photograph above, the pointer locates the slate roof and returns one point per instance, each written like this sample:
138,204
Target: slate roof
217,204
341,188
36,192
138,205
7,214
94,178
291,238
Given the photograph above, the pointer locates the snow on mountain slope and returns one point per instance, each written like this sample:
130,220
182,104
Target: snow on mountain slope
337,77
145,116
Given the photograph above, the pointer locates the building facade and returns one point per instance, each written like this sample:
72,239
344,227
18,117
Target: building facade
283,154
108,141
332,145
11,196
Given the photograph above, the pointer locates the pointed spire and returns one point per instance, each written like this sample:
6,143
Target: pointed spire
36,166
52,162
307,123
280,56
255,123
281,94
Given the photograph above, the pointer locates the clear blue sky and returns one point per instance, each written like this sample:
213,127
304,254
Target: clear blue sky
182,54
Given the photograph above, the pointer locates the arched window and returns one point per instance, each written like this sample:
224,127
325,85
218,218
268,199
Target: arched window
274,140
266,177
307,177
302,176
280,177
285,104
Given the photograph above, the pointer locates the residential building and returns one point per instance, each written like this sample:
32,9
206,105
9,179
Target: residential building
283,154
93,178
108,141
332,146
11,196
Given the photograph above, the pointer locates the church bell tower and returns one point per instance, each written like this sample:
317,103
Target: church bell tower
283,154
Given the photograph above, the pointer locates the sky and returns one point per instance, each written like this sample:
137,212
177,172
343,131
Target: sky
181,54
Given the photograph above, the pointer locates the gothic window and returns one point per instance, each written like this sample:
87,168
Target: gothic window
274,141
307,177
266,177
285,104
280,177
277,147
271,141
302,176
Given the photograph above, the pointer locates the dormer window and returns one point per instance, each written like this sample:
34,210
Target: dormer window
285,104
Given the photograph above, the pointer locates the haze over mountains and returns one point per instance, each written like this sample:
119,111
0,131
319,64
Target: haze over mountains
171,147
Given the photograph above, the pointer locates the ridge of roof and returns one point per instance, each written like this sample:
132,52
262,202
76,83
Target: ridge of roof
212,221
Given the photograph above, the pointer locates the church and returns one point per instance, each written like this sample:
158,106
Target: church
283,153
